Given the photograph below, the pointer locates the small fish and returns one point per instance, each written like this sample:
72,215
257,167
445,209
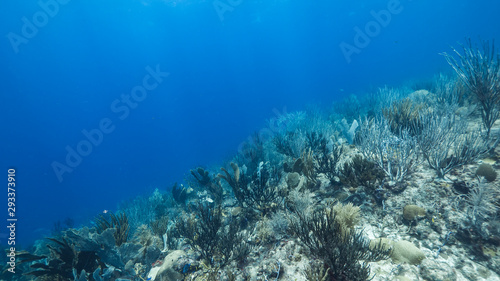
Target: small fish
105,211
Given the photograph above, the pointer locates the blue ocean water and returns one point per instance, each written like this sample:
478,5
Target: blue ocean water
106,100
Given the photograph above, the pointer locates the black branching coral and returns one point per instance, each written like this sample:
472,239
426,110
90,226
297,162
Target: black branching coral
361,172
285,144
343,250
179,193
201,228
118,222
62,263
327,159
216,239
212,185
238,184
259,191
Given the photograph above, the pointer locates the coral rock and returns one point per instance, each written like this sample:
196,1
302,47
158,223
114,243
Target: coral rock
411,212
166,271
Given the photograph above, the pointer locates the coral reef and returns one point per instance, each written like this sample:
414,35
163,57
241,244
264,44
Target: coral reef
403,199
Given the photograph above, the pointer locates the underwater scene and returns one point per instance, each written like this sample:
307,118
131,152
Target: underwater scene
199,140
